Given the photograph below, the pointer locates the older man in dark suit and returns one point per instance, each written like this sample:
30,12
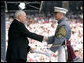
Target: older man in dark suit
17,39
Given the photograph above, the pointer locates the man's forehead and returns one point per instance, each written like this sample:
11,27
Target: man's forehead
56,12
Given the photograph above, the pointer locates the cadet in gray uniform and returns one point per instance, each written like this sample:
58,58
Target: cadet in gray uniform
63,32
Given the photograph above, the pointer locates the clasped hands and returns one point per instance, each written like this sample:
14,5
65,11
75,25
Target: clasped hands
45,38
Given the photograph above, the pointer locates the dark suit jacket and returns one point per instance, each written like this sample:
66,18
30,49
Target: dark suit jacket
18,42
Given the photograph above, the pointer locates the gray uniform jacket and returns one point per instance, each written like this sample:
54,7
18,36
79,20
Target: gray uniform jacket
63,32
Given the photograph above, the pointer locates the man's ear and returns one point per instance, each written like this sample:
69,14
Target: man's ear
19,17
63,14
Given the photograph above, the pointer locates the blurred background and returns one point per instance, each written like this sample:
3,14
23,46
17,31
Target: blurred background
41,21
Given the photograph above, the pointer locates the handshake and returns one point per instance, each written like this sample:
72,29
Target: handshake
45,39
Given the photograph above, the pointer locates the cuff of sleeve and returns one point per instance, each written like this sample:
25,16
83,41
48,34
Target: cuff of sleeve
44,39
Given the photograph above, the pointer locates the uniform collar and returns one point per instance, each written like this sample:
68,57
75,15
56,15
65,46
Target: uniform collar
59,21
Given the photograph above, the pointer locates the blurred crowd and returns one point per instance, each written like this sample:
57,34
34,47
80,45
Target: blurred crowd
46,26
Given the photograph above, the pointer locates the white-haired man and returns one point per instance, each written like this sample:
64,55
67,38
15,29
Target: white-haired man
17,39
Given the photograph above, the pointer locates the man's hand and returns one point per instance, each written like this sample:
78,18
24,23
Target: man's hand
45,39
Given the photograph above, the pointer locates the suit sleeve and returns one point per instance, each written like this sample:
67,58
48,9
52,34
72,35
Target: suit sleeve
26,33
